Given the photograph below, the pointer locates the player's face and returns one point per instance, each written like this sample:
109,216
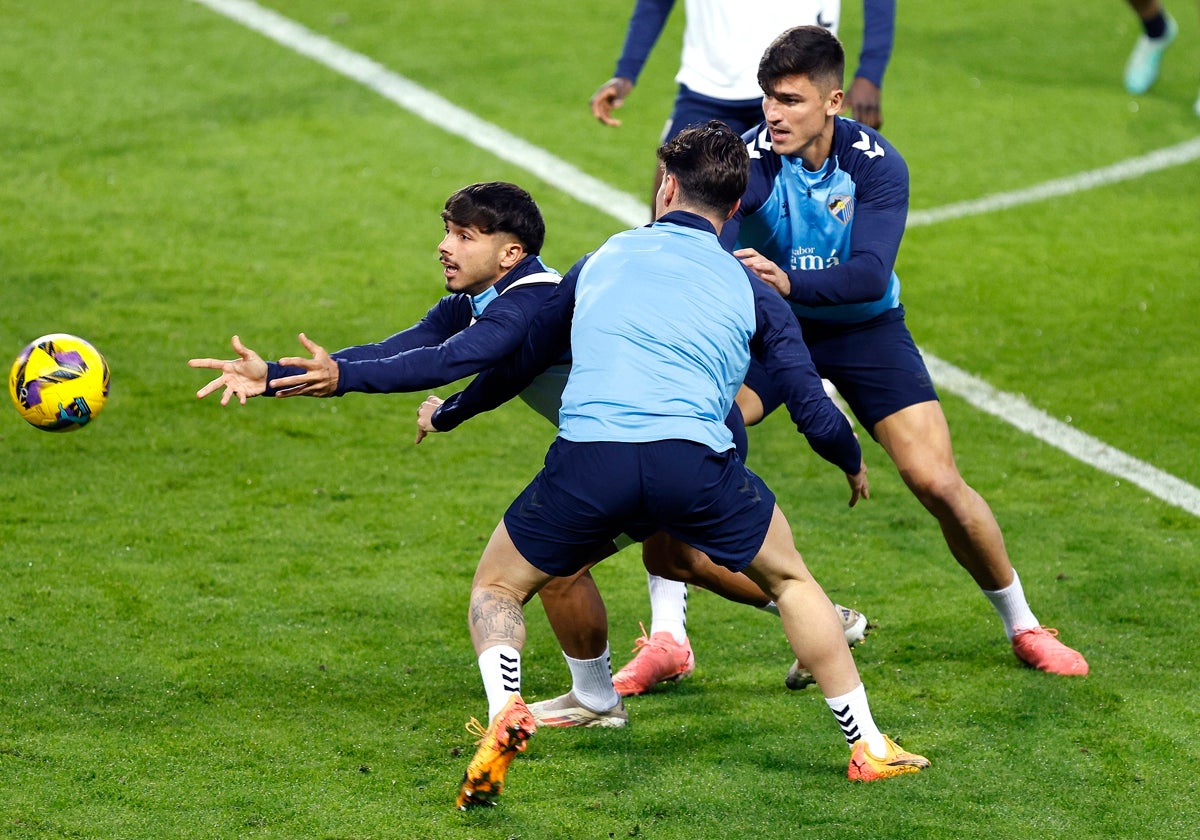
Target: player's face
472,261
798,114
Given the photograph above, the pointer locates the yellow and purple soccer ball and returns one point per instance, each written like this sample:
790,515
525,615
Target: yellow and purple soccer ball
59,382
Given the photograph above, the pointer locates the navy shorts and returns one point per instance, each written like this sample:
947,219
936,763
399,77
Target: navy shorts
588,493
875,365
737,427
693,109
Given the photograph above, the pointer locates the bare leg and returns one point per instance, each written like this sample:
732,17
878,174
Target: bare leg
815,634
1146,9
667,557
576,611
504,581
809,621
917,439
577,614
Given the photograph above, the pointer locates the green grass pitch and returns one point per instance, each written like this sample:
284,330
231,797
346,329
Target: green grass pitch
250,622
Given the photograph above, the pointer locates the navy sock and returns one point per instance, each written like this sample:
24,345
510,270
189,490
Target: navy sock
1156,27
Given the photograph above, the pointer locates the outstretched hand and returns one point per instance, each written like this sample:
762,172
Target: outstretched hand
320,377
425,417
243,377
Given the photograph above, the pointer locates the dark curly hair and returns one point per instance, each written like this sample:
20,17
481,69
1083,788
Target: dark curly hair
498,206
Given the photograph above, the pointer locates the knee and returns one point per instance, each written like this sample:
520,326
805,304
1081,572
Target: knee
939,488
497,595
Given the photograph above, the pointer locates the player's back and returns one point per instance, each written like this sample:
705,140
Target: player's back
660,337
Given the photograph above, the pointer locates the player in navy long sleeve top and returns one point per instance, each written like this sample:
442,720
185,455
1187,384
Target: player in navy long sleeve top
497,284
836,231
821,222
496,281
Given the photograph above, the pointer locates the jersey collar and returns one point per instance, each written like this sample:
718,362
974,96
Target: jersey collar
685,219
531,264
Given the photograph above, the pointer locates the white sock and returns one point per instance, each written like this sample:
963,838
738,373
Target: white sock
770,607
668,607
1013,608
854,716
500,667
591,680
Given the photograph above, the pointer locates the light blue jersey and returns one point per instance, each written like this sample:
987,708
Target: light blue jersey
836,231
663,322
646,358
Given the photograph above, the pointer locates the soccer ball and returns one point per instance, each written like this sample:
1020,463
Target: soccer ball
59,382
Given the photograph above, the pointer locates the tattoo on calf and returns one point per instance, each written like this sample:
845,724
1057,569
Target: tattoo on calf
497,618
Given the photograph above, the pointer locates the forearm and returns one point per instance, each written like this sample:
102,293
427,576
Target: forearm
856,281
832,437
414,370
779,347
879,31
465,353
496,386
485,393
645,25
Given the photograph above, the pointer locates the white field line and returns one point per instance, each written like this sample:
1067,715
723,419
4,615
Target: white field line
1124,170
1011,408
434,109
1016,410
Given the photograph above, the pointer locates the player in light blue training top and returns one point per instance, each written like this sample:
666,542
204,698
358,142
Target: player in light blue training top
661,391
821,221
496,284
662,323
837,227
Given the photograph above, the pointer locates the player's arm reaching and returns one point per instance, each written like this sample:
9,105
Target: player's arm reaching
547,341
494,336
779,346
434,352
371,369
250,376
